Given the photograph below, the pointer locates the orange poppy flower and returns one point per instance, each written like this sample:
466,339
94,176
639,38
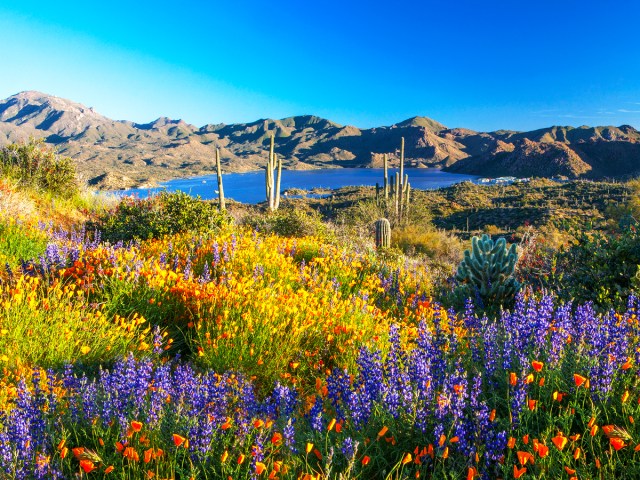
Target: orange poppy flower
224,456
148,455
366,459
531,404
537,366
87,466
617,443
559,441
513,379
471,473
332,424
260,467
492,415
570,471
524,457
382,431
579,379
543,450
512,442
407,459
517,473
109,469
178,439
240,458
136,426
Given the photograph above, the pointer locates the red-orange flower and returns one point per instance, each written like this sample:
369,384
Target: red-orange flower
524,457
87,466
136,426
178,439
537,366
517,473
471,473
579,379
617,443
543,450
366,459
559,441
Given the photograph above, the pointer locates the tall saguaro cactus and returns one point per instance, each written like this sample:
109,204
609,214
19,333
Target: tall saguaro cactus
221,202
273,191
386,177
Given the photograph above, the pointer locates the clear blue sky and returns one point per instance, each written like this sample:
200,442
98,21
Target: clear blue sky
480,64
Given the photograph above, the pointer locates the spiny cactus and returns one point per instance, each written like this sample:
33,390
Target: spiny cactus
273,191
221,203
383,233
488,267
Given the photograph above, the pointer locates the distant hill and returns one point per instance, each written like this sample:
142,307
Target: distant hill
120,154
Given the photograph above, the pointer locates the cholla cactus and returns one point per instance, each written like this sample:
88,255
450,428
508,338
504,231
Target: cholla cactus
488,268
383,233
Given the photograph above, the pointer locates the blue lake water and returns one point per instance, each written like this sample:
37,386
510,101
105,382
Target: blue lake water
250,187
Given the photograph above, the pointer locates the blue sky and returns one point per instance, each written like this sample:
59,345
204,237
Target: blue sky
480,64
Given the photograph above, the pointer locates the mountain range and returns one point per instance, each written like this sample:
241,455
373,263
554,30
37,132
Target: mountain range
113,154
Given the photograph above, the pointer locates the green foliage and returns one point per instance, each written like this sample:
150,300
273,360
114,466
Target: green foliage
163,214
34,165
599,267
488,270
19,243
291,222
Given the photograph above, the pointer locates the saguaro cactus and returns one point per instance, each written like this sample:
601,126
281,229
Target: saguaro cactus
221,203
386,177
383,233
273,191
488,267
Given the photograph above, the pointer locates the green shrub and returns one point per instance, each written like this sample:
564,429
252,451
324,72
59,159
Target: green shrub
34,165
20,243
600,267
163,214
291,222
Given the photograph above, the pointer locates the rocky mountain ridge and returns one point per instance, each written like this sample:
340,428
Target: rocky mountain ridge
120,154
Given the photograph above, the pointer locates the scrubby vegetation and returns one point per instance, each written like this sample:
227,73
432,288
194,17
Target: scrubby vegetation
161,339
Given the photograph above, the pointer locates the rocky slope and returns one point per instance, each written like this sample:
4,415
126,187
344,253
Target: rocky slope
120,154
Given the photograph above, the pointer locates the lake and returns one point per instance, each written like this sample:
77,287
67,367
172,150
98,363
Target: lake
249,187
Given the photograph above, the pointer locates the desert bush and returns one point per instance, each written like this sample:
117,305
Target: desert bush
34,165
291,221
164,214
600,267
434,244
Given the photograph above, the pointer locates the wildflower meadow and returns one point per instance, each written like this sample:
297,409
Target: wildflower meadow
233,353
